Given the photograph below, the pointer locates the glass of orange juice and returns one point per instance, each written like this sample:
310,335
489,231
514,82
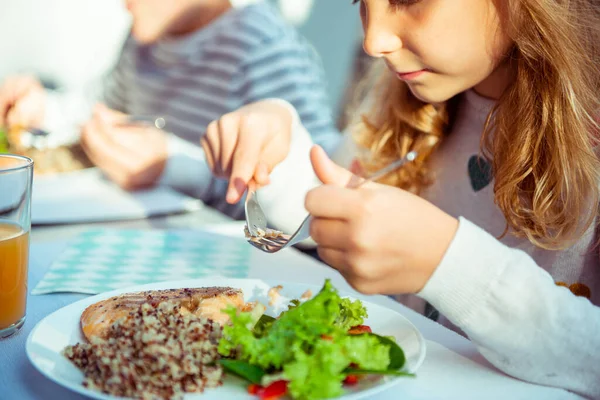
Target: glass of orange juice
16,174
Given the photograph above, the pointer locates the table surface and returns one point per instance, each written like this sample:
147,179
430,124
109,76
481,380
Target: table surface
452,368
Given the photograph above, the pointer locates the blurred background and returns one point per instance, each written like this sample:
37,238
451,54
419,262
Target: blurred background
68,43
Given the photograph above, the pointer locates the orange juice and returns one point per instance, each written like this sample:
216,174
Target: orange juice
14,252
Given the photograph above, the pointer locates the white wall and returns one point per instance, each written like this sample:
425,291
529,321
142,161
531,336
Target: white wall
35,37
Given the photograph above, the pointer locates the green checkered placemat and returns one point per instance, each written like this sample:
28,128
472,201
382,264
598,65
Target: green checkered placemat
101,260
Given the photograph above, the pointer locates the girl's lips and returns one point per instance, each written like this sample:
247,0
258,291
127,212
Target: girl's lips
408,76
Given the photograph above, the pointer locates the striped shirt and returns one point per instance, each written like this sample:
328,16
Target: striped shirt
248,54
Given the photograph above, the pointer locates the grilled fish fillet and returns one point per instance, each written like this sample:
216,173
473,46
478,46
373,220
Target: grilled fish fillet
203,302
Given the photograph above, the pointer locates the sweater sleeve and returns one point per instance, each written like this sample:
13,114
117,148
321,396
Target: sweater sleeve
521,321
283,199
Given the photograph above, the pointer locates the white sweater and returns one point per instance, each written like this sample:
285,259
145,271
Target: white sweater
501,293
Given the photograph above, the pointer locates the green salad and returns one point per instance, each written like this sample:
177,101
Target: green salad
3,142
310,351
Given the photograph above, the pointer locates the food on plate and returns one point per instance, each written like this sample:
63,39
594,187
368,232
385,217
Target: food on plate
274,294
162,344
209,303
47,160
309,351
153,352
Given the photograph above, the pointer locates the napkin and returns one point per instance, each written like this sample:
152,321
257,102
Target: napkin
100,260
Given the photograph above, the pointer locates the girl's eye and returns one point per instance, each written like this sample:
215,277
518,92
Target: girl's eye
400,3
396,3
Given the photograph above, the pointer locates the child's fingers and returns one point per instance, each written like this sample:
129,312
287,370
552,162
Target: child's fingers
108,115
18,115
331,201
228,137
12,117
244,164
261,175
335,258
329,172
5,105
212,139
24,113
100,147
210,159
330,233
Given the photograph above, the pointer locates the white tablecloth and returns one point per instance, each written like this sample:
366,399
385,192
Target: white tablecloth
452,369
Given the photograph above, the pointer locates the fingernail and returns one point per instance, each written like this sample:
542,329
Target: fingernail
240,187
231,196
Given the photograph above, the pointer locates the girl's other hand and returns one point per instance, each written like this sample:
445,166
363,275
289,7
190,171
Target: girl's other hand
382,239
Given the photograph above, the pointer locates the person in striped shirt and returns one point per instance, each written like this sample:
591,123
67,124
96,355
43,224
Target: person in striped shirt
192,62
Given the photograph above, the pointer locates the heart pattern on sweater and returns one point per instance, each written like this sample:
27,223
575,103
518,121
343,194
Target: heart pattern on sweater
480,172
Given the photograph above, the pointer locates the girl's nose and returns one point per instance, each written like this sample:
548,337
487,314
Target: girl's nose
380,39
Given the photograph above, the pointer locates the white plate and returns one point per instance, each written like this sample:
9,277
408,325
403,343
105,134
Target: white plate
61,328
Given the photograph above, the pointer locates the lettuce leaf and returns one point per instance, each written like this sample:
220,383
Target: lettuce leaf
309,343
3,142
352,313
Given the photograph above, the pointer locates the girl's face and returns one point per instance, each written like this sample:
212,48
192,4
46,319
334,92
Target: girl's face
439,47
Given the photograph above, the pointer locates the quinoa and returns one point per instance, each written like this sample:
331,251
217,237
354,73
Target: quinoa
306,295
260,234
274,294
153,353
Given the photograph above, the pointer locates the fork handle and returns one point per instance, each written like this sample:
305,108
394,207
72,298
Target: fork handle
302,233
410,156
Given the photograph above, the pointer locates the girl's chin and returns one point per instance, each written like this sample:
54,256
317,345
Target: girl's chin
429,94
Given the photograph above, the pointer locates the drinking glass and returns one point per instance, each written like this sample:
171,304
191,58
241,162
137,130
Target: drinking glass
16,175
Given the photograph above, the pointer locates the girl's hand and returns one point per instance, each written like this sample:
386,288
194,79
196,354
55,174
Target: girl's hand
132,156
247,144
382,239
22,102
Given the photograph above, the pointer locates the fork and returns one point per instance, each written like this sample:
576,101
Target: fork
256,220
39,136
158,122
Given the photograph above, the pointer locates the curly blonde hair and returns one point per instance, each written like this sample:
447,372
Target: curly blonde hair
547,186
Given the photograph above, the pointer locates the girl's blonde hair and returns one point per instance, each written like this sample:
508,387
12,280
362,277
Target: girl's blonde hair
545,130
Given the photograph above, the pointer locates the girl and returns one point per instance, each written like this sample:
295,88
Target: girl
503,243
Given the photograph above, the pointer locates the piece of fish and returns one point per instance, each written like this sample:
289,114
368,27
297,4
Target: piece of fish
203,302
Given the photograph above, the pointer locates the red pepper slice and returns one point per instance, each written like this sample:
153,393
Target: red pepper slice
351,380
358,329
253,388
274,391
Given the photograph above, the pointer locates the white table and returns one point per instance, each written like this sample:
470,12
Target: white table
453,369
